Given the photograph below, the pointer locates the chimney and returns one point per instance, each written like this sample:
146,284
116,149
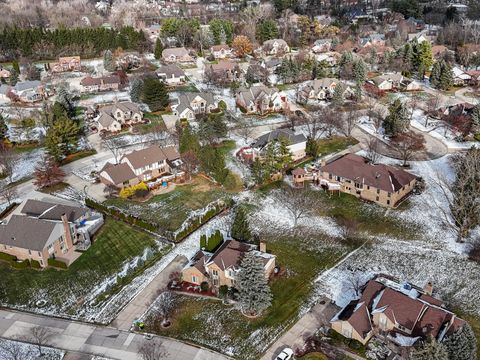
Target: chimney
263,247
428,288
67,232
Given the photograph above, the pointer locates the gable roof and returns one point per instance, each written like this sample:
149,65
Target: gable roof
106,120
177,52
150,155
52,211
25,85
170,69
26,232
287,134
229,254
357,168
185,99
256,93
118,173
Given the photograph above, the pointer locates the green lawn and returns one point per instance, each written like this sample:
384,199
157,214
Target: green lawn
335,144
65,291
314,356
223,328
171,209
155,120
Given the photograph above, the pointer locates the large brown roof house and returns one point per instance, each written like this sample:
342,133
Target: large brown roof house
142,165
384,184
401,313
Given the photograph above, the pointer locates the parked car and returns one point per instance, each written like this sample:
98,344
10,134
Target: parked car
286,354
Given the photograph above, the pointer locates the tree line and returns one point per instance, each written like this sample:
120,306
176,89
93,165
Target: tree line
38,43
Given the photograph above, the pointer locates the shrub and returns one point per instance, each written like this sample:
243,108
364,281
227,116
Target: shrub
137,190
242,109
35,264
477,137
230,181
204,286
7,257
20,264
57,264
222,105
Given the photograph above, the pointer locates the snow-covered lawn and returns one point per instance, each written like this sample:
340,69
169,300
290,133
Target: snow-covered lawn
26,164
17,350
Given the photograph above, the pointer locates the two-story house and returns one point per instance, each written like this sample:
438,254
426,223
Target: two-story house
221,51
39,230
66,63
316,90
192,104
275,47
260,99
322,45
171,74
113,117
103,83
141,165
222,267
401,314
176,55
223,71
296,143
353,174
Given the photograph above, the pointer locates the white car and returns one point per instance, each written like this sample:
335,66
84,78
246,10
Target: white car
286,354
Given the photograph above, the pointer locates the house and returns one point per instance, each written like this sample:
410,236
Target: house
40,230
30,91
224,70
372,40
153,31
353,174
221,51
475,77
318,89
67,63
387,82
192,104
4,73
297,143
411,85
460,77
143,165
113,117
171,74
322,45
275,47
103,83
222,267
176,55
401,314
260,99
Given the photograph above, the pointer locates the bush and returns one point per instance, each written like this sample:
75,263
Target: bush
222,105
477,137
57,264
231,181
204,286
20,264
7,257
128,192
242,109
35,264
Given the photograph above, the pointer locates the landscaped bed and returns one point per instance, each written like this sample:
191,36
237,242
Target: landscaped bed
98,273
170,210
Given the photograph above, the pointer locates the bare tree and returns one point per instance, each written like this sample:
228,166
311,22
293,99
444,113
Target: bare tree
8,193
164,305
355,282
115,145
160,136
245,128
152,350
40,336
300,203
8,162
373,145
347,121
407,144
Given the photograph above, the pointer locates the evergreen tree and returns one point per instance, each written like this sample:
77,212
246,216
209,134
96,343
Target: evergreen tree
446,76
462,345
158,49
435,74
189,141
259,171
108,60
61,139
266,30
337,98
424,58
397,120
65,99
240,227
312,147
254,294
3,128
360,72
213,163
136,89
476,115
430,350
222,31
155,94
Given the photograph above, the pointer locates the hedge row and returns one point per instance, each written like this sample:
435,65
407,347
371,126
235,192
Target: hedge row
57,263
116,213
12,261
7,257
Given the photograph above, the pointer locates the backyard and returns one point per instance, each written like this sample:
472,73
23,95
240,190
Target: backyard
78,290
171,209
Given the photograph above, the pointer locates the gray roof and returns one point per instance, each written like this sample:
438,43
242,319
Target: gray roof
52,211
119,173
256,92
4,89
25,85
287,134
185,99
26,232
170,70
177,52
106,120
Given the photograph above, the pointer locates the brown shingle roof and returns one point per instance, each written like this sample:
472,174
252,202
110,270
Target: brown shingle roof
119,173
150,155
52,211
357,169
360,320
229,254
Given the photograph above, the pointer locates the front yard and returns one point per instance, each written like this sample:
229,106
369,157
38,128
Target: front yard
171,209
78,291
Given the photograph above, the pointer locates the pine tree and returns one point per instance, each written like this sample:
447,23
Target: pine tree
424,58
188,141
3,128
476,115
337,98
435,74
254,294
108,60
240,227
446,76
397,119
462,345
431,350
61,139
158,49
155,94
360,72
136,88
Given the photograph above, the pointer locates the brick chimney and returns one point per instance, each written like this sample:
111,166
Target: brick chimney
428,288
67,232
263,247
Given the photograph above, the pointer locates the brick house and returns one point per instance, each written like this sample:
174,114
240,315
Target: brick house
39,230
223,71
320,89
353,174
143,165
399,314
222,267
260,99
176,55
66,63
192,104
103,83
113,117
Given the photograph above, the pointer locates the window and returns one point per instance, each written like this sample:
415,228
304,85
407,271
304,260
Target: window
39,253
29,252
378,198
368,187
378,191
194,279
338,178
358,186
389,194
215,272
388,202
383,322
330,176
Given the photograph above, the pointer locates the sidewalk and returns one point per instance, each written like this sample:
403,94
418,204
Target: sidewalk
89,339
